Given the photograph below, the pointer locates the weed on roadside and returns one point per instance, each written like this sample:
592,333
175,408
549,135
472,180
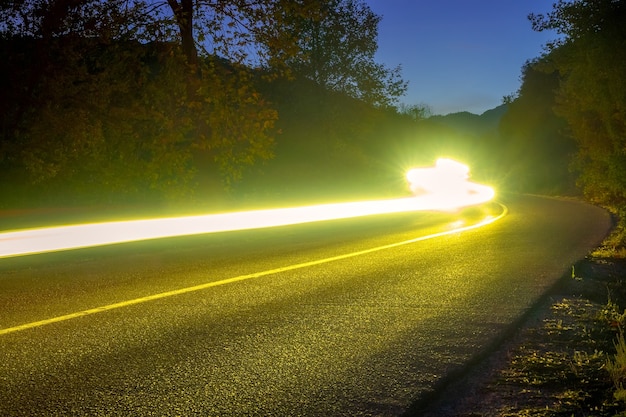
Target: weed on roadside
617,367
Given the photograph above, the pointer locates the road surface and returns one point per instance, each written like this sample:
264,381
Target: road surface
323,319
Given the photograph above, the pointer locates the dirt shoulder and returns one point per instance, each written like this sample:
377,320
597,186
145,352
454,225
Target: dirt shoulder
555,365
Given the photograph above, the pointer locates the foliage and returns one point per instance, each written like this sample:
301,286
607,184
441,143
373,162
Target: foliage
337,51
98,130
108,100
415,112
617,368
240,30
591,57
537,154
614,244
240,120
330,146
100,101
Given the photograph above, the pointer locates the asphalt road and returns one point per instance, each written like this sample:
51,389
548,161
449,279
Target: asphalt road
365,334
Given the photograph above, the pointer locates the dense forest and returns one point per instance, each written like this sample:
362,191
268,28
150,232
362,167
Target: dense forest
142,101
252,102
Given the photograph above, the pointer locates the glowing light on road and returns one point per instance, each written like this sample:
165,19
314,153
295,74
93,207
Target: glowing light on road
122,304
447,185
450,193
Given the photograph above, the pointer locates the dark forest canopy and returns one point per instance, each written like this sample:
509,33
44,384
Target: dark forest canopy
331,42
127,97
119,118
337,52
131,99
590,58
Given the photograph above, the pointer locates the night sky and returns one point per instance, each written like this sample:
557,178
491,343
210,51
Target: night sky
459,55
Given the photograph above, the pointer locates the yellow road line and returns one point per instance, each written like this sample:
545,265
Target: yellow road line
244,277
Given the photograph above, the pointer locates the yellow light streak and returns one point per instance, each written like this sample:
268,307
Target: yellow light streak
446,188
486,221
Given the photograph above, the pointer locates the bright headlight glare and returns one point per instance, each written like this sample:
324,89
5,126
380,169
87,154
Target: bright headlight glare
444,187
447,182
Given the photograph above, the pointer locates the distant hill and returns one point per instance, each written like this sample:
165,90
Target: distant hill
467,123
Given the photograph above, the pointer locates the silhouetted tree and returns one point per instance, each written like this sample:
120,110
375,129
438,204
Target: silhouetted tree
415,112
124,97
336,50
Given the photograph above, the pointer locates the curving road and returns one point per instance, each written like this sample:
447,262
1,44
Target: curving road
294,321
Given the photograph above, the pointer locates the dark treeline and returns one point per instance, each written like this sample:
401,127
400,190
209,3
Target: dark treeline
143,101
96,122
539,152
102,105
562,133
571,106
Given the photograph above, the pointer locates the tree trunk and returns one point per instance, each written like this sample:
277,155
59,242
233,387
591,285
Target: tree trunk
183,12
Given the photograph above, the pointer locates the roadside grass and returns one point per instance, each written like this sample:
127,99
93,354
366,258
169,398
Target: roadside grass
616,368
559,368
573,362
614,246
569,359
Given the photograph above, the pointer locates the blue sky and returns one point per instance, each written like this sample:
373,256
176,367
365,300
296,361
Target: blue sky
459,55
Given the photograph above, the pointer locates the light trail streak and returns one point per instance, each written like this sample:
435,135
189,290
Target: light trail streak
449,195
122,304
